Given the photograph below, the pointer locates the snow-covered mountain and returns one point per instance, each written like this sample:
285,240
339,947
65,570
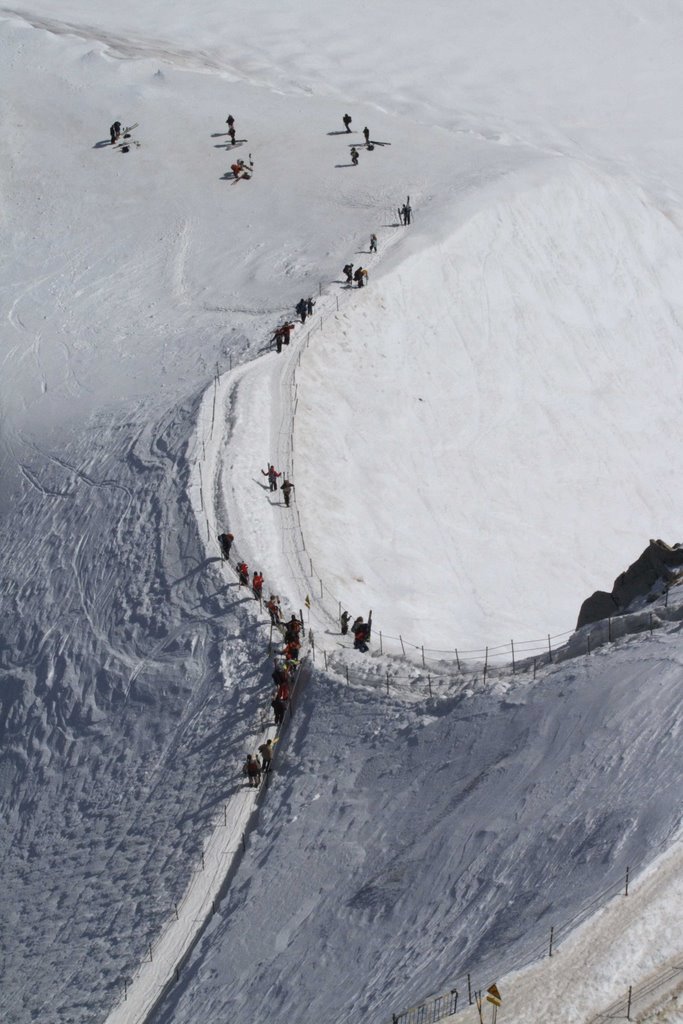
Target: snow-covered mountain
480,438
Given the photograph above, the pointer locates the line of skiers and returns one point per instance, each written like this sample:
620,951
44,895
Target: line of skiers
283,670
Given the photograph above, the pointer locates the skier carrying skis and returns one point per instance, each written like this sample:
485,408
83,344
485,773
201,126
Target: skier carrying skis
272,475
347,121
354,156
287,489
406,210
115,132
348,271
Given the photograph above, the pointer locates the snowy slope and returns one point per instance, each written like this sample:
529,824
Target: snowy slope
542,144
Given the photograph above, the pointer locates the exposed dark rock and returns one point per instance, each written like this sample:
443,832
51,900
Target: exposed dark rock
658,563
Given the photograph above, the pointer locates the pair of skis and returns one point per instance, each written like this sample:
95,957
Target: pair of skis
124,143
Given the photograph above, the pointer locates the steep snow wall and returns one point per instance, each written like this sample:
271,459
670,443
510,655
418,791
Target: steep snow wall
479,385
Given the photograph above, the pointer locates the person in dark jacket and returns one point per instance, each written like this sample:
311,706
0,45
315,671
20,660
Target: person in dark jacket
348,271
115,132
302,309
354,156
366,134
279,707
347,121
287,489
344,620
225,540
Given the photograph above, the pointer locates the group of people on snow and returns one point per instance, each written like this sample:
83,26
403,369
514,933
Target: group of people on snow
282,335
304,308
259,764
286,487
360,629
359,275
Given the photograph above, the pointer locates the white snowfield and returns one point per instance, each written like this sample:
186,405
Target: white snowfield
478,440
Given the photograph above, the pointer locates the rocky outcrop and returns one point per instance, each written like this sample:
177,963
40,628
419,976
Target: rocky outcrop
659,563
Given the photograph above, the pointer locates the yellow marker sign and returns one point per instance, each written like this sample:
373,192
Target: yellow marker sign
493,995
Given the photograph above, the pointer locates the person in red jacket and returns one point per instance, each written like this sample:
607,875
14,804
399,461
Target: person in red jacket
283,691
272,475
257,584
243,572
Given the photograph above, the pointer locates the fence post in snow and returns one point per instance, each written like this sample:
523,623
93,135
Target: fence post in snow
381,651
457,658
325,657
486,663
125,991
469,989
310,562
534,668
650,623
423,656
666,598
225,814
402,647
550,949
429,683
177,974
149,946
348,682
321,588
202,860
626,889
628,1007
387,682
176,912
550,651
512,648
320,288
609,629
588,643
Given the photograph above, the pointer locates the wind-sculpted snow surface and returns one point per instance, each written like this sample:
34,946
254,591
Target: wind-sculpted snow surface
406,846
